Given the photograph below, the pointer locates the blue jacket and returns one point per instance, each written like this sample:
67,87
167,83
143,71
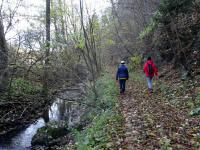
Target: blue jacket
122,72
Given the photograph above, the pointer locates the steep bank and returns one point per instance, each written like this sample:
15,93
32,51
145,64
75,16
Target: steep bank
162,120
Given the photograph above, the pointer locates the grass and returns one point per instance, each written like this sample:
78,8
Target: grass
105,130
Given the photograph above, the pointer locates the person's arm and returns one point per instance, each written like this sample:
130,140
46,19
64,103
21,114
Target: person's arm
127,73
144,68
117,74
155,70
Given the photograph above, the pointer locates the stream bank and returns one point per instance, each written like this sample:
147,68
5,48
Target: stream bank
65,108
18,113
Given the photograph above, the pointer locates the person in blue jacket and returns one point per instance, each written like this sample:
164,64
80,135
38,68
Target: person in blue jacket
122,75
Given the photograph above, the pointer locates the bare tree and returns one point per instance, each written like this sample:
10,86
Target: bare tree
47,51
90,52
131,17
3,58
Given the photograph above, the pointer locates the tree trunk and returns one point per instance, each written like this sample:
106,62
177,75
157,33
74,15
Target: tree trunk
46,65
3,58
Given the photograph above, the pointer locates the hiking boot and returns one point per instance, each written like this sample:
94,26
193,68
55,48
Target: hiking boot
121,93
150,91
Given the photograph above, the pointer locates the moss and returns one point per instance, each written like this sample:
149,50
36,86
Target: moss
54,129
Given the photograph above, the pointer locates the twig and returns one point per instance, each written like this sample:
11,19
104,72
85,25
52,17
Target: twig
24,111
5,115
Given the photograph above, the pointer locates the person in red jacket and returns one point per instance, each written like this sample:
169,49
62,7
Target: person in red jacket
150,70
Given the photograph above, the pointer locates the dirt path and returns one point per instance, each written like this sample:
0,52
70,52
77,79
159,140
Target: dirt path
152,123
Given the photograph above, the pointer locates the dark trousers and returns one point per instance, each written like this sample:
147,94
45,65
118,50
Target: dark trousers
122,84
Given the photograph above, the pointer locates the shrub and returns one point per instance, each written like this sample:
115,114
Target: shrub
148,30
106,122
107,97
20,86
167,10
103,132
135,62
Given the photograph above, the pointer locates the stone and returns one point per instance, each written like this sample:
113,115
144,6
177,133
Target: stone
51,131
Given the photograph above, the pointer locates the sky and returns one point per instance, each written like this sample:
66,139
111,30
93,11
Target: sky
97,5
34,7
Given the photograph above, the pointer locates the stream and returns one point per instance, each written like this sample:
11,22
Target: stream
64,108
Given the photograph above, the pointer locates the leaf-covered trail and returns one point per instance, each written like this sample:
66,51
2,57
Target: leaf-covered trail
152,123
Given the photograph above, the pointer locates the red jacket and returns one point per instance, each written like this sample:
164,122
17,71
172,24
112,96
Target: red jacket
146,68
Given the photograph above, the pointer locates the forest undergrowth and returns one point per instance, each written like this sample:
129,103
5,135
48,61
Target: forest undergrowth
105,130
